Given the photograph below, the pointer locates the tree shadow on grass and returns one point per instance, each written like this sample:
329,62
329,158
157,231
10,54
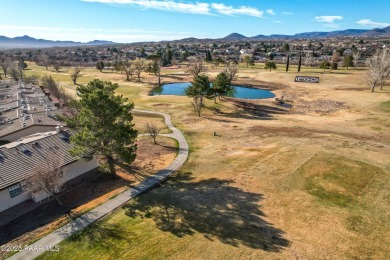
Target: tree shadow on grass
212,207
102,235
251,111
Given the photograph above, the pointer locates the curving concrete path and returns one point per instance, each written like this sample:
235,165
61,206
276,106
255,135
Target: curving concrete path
49,242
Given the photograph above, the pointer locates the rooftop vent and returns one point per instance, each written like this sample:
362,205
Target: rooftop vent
64,138
36,145
26,151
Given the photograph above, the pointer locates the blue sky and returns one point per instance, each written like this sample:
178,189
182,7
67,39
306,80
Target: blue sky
153,20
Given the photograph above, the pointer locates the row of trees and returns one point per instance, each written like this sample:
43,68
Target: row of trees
12,69
135,67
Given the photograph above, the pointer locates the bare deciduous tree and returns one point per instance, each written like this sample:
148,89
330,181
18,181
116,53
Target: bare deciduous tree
33,79
139,66
47,178
198,105
15,72
127,67
64,95
44,60
356,56
309,60
195,66
5,64
55,90
231,71
153,131
49,83
378,69
75,74
57,66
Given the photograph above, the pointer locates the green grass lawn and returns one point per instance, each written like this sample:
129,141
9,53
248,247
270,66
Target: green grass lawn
385,106
336,180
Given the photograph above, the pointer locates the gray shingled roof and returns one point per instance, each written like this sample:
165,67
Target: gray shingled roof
36,119
32,102
18,163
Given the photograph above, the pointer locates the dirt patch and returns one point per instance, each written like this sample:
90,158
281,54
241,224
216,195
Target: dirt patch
163,105
317,106
352,89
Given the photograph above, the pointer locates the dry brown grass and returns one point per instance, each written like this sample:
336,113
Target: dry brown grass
258,148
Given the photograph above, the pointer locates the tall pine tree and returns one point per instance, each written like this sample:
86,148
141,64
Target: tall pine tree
103,122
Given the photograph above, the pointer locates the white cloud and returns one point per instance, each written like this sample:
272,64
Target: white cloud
186,7
370,23
195,8
243,10
270,11
328,18
287,13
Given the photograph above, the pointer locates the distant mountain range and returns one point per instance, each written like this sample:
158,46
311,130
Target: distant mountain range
344,33
29,42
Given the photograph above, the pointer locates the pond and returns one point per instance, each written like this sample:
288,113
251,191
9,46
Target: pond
178,89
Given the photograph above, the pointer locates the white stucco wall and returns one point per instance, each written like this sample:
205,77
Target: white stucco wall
79,167
7,202
69,172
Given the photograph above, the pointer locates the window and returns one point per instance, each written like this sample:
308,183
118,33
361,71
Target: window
15,190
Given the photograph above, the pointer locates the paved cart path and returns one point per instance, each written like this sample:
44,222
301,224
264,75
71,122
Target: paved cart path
49,241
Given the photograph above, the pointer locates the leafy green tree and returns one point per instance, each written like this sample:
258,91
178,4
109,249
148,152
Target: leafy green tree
246,59
100,65
251,61
157,63
199,89
270,65
169,56
117,66
325,65
348,61
208,56
217,61
142,52
221,86
286,47
103,123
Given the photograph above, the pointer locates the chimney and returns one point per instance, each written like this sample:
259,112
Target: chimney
59,129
